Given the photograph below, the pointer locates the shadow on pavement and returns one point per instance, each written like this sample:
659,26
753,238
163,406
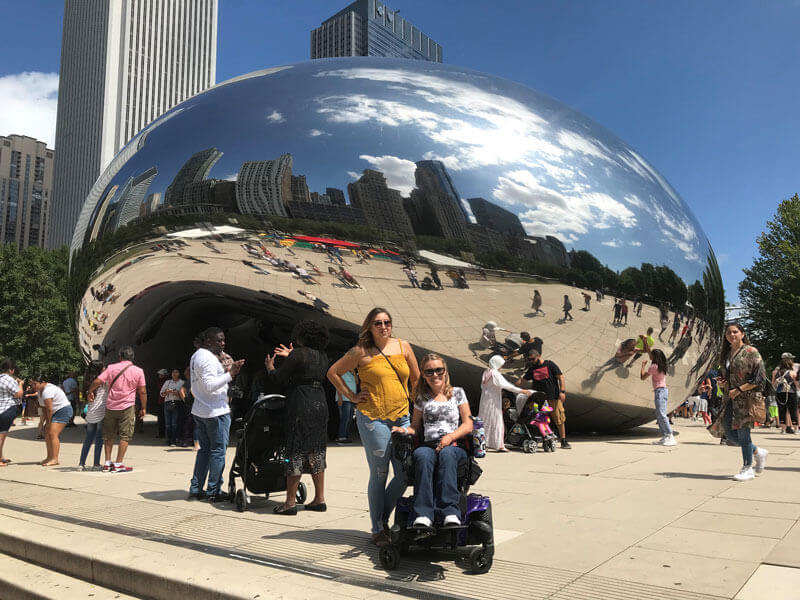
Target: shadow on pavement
694,475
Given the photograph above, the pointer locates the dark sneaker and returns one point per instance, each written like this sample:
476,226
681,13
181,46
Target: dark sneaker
220,497
565,444
201,495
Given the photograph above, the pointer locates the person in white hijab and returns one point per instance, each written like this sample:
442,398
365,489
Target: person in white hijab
491,406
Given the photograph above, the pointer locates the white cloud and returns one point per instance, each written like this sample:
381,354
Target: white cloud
275,117
354,175
399,172
612,243
583,144
317,133
28,104
468,210
552,212
636,243
232,176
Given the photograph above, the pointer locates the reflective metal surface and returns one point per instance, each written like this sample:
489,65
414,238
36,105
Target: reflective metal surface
388,151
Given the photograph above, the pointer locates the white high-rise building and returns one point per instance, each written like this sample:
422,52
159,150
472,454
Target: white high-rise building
123,63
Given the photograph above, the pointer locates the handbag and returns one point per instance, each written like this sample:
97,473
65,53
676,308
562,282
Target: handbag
756,408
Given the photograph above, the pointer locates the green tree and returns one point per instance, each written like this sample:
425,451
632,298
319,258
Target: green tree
770,291
35,326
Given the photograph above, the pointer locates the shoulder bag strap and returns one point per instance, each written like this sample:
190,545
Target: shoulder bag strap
400,379
113,381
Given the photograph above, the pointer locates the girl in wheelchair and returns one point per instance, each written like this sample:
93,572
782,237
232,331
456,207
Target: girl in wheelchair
442,415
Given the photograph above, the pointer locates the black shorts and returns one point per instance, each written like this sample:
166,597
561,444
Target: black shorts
7,418
787,402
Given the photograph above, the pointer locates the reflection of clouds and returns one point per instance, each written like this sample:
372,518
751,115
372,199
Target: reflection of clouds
232,176
636,243
275,117
678,230
613,243
551,212
399,172
468,211
317,133
580,143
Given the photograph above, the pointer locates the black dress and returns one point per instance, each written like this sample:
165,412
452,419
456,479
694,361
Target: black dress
302,374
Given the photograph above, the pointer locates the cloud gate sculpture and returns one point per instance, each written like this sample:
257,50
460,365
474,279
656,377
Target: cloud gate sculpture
382,158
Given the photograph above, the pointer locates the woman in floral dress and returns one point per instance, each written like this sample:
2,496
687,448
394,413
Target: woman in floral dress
742,380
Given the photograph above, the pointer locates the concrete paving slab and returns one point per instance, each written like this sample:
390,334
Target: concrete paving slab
772,582
678,571
766,527
787,552
735,506
710,544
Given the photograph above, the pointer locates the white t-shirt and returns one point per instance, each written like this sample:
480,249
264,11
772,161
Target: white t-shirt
172,389
57,394
96,410
440,418
209,385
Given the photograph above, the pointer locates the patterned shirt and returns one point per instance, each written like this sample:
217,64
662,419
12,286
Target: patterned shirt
8,388
440,418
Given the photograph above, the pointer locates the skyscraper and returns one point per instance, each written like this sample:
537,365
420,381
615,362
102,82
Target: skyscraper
435,206
194,171
370,28
132,197
382,206
263,187
123,63
26,178
497,218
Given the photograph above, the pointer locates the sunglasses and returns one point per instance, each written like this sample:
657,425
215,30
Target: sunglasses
432,372
386,323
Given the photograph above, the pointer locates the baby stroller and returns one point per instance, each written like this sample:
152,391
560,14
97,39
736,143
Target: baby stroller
529,428
260,459
475,535
427,283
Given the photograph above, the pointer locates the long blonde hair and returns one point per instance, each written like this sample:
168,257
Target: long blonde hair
365,339
422,387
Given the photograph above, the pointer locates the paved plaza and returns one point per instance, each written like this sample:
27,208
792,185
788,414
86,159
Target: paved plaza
613,518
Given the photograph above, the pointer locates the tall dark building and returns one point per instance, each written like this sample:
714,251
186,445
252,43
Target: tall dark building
435,206
382,206
492,216
370,28
300,189
193,172
336,195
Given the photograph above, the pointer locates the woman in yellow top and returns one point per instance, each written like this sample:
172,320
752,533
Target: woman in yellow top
385,366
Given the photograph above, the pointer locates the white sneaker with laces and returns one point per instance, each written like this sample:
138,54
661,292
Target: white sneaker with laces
422,522
760,456
669,441
746,474
658,442
451,520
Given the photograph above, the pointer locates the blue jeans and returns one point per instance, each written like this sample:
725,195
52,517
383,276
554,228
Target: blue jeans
210,460
345,418
172,412
740,437
435,486
94,434
376,436
661,396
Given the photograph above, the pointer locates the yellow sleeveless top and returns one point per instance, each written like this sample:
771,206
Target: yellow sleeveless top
388,398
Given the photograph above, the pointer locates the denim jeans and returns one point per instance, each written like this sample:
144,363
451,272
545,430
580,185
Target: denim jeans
94,434
376,436
345,418
213,436
661,395
740,437
172,412
436,488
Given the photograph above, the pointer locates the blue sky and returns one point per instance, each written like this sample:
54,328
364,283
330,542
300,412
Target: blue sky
705,91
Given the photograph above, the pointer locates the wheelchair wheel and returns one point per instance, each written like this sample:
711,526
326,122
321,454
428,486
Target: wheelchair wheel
529,446
389,557
302,493
240,500
480,560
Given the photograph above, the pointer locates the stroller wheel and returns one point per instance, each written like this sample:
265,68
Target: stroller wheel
302,493
480,560
389,557
232,489
529,446
240,500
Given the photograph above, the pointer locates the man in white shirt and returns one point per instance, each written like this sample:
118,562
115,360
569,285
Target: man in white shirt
211,413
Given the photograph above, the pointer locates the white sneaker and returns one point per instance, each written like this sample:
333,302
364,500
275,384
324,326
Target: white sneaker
422,522
761,459
669,441
658,442
746,474
451,520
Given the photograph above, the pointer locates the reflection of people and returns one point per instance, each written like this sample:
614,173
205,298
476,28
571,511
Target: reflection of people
742,379
491,403
587,299
640,344
385,366
303,372
545,376
441,413
536,304
567,308
784,381
658,373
